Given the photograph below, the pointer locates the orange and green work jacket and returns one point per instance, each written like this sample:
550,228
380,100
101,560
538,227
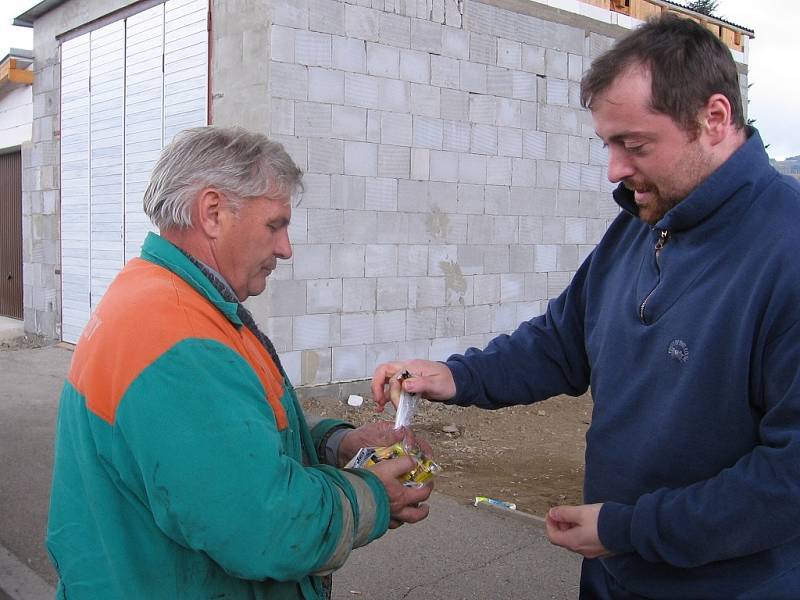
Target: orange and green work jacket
184,467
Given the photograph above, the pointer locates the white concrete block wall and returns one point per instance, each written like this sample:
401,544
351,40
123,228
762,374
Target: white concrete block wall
453,183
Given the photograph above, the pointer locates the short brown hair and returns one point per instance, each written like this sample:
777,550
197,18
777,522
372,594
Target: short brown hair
687,65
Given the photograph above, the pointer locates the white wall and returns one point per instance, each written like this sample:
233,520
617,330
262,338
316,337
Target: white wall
16,117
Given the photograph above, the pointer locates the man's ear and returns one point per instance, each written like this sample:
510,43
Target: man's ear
716,118
209,212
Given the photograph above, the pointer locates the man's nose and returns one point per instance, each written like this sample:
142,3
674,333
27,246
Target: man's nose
283,247
619,165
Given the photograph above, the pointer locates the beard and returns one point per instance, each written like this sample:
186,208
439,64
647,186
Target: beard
656,196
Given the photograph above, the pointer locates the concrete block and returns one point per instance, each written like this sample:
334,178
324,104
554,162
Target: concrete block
360,226
547,174
506,229
477,319
509,54
289,81
361,23
456,136
557,91
480,229
437,11
444,71
498,170
531,229
282,43
545,258
325,156
382,60
453,13
449,321
347,192
279,331
312,119
380,261
455,105
412,260
325,85
575,231
508,112
567,258
427,132
392,293
358,328
390,326
315,331
483,139
282,299
591,178
396,129
497,197
317,193
556,64
536,286
533,59
291,14
381,194
326,16
455,43
393,227
569,176
412,196
482,109
296,147
444,166
311,261
394,30
415,66
578,150
524,86
523,172
420,323
374,126
426,292
361,158
425,100
394,161
426,36
534,144
349,363
558,119
470,199
349,123
358,295
557,147
441,260
499,81
483,48
282,116
472,77
509,141
496,259
324,296
568,203
313,49
471,168
325,226
314,366
420,164
521,258
552,230
486,289
575,67
381,353
349,54
395,95
512,287
347,260
529,118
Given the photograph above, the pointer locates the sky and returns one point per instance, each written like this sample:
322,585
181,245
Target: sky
775,86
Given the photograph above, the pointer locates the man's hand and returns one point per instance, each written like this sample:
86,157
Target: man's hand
432,380
404,502
575,528
376,435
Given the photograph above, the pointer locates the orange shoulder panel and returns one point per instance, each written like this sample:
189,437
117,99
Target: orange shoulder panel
145,311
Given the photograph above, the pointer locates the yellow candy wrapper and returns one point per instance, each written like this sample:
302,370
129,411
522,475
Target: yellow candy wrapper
417,477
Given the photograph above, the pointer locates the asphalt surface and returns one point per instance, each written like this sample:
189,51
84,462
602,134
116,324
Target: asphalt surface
459,553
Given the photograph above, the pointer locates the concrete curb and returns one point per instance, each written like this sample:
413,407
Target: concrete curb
20,582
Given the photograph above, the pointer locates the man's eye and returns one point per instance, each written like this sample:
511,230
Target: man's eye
635,149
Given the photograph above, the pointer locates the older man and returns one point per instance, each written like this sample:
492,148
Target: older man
685,321
184,466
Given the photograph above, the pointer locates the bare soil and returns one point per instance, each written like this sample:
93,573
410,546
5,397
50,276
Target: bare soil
532,456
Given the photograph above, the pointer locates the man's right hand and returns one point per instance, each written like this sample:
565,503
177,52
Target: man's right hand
404,502
432,380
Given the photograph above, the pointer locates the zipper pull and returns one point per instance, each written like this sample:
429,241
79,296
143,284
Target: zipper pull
662,240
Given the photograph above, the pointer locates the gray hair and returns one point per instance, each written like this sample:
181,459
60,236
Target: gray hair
239,163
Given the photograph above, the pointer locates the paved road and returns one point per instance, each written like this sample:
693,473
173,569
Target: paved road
459,553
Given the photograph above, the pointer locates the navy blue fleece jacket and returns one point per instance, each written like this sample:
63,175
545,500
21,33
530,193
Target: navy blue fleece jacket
693,357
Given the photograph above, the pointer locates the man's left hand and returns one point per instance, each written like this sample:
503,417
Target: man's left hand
376,435
575,528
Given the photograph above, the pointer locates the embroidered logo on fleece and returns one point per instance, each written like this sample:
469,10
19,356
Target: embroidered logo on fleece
678,350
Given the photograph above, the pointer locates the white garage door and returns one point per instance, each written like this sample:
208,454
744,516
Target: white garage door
126,89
